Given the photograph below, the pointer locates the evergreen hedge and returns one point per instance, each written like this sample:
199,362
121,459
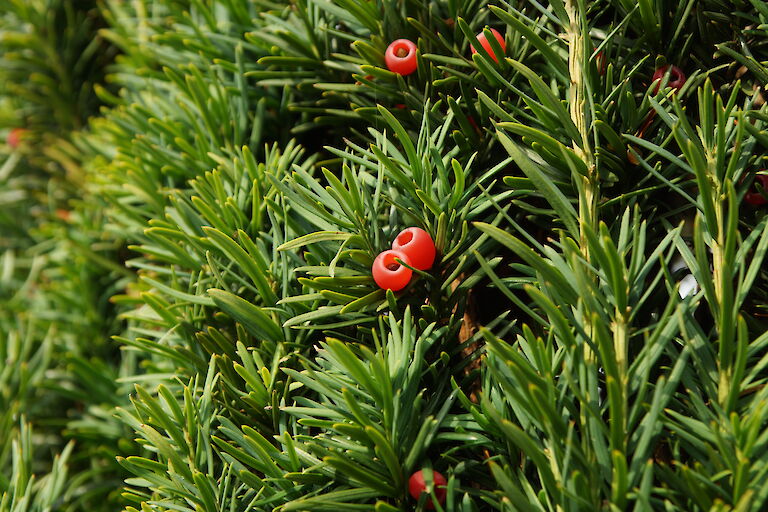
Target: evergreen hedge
188,320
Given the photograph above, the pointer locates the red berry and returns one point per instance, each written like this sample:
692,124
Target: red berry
756,198
418,246
487,45
676,77
401,57
15,136
601,62
388,273
474,124
417,486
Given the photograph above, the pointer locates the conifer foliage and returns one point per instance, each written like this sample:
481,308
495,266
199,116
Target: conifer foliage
190,319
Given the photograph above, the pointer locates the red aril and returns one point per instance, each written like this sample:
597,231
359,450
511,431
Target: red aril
417,486
418,246
388,273
400,57
676,77
754,197
487,45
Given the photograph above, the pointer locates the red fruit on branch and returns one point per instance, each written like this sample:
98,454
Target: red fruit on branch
474,124
487,45
601,62
388,273
676,77
15,137
756,198
400,57
417,486
418,246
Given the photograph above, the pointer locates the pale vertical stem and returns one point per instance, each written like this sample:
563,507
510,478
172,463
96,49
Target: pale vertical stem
718,245
589,195
587,185
718,257
578,104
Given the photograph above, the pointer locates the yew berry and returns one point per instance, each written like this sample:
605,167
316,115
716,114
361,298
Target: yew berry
474,124
418,246
417,486
601,62
756,198
487,45
676,77
63,214
401,57
388,273
15,136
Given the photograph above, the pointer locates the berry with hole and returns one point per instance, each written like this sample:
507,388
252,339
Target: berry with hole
400,57
417,486
676,77
487,45
388,273
418,246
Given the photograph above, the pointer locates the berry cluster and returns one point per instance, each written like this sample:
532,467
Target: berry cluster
400,56
415,248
